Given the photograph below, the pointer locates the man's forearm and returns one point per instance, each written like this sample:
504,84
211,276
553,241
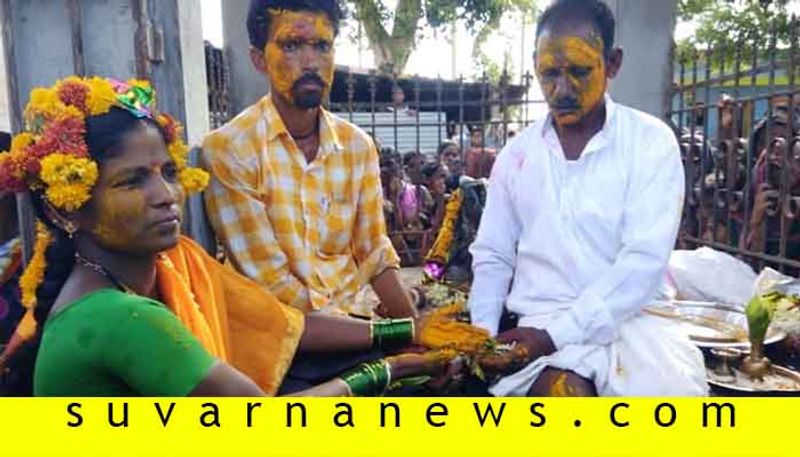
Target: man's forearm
393,296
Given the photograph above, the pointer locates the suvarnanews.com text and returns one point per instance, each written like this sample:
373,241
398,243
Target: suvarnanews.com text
297,414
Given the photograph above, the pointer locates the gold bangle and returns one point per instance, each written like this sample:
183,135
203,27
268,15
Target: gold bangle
388,368
372,333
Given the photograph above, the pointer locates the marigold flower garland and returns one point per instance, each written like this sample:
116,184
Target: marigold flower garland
34,272
439,254
52,156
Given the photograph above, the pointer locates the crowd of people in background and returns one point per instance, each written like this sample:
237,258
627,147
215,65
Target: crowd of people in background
417,184
738,175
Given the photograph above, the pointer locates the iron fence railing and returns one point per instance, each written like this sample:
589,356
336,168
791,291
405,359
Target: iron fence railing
738,123
218,79
423,115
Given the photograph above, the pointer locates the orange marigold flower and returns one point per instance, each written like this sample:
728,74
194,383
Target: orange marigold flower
65,135
171,127
73,91
30,165
12,175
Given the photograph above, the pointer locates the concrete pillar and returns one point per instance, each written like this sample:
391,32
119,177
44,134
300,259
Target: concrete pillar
247,84
645,31
193,57
158,40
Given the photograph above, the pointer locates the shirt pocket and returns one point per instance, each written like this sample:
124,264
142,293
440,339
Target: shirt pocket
599,211
338,230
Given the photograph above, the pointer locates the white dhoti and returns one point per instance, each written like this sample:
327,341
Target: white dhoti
651,357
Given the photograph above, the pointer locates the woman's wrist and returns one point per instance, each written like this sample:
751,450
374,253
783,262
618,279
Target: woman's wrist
369,378
392,333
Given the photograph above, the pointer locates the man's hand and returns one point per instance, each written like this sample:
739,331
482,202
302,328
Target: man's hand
762,206
536,341
395,302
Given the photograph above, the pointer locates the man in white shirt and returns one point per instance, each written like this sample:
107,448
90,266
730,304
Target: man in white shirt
581,216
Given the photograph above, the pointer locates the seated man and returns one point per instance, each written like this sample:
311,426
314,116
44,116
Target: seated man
296,193
581,216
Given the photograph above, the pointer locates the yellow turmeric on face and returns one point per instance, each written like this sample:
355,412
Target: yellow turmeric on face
571,68
116,210
285,57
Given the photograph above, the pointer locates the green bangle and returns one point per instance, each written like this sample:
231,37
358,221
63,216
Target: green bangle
368,379
392,333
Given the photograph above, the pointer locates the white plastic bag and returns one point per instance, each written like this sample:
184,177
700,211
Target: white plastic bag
705,274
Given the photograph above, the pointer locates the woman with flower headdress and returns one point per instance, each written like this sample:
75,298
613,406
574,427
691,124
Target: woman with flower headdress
120,304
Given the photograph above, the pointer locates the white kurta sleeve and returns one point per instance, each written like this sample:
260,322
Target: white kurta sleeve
652,213
494,249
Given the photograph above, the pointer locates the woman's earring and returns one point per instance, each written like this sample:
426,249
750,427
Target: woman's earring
70,228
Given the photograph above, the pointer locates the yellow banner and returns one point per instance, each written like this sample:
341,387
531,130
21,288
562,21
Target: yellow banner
401,427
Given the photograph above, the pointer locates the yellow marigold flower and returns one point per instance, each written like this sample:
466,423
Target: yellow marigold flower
69,197
193,179
143,83
34,272
68,80
179,152
65,111
21,141
440,251
69,180
73,91
43,99
44,104
102,96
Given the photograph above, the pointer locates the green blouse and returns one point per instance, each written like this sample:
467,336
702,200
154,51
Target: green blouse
110,343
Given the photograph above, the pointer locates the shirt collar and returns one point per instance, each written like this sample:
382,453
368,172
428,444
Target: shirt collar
328,138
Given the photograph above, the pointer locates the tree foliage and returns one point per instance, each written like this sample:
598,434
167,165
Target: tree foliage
727,25
392,48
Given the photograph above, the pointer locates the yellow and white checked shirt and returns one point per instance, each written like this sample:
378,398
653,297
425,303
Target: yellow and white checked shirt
313,233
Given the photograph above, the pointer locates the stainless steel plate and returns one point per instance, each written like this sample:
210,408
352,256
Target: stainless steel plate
711,325
781,381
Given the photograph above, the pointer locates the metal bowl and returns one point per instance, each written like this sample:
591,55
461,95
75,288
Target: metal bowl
712,325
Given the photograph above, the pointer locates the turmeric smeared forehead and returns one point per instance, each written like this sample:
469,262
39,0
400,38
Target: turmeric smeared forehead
300,25
580,39
570,50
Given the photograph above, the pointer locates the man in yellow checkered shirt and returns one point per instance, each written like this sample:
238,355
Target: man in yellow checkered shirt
295,192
